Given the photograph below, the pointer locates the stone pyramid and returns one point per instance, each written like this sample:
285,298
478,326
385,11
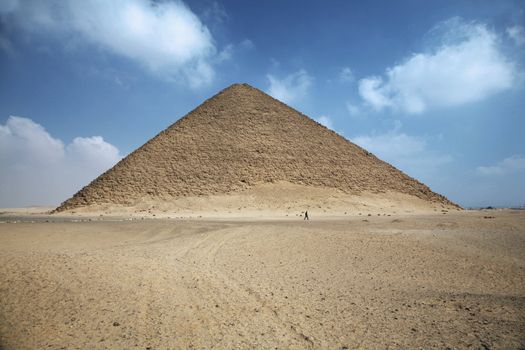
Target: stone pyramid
237,139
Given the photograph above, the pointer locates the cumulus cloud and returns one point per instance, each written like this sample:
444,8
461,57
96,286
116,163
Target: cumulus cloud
165,37
409,153
370,90
326,121
468,66
38,169
517,34
510,165
291,88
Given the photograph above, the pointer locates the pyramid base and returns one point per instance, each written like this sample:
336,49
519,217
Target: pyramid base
279,199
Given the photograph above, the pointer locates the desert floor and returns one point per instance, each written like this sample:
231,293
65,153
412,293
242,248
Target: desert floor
453,280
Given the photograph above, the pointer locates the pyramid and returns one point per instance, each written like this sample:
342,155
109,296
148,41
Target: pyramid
238,139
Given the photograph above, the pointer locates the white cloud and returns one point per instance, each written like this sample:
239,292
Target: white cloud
326,121
230,50
226,54
469,66
392,144
165,37
409,153
346,75
92,150
247,45
370,90
512,164
36,168
517,33
353,109
291,88
215,13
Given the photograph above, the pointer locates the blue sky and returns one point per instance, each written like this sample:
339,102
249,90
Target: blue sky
435,88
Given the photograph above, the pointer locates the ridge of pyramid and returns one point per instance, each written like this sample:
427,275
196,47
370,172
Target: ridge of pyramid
237,138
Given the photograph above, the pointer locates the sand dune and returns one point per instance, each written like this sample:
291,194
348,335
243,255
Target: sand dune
419,281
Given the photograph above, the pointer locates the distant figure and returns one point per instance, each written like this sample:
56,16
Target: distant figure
306,215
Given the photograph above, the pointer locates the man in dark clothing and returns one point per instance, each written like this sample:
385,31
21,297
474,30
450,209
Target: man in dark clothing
306,215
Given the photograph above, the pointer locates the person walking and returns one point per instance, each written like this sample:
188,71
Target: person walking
306,215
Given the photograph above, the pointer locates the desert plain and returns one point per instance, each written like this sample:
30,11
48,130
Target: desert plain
444,280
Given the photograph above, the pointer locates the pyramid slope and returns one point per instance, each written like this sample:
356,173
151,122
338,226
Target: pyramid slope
236,139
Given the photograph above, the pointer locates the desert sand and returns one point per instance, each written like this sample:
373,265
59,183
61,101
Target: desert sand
399,280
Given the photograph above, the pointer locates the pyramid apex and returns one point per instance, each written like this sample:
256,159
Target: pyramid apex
239,88
239,85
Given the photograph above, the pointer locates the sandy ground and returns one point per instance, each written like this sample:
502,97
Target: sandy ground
422,281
